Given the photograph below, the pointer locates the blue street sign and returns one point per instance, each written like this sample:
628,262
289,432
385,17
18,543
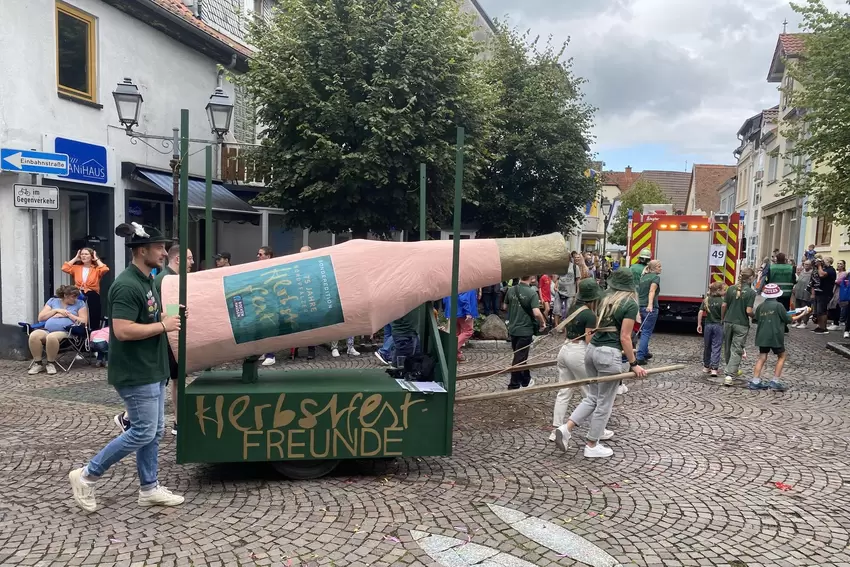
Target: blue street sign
26,161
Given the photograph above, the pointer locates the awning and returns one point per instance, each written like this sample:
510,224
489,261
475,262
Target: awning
222,199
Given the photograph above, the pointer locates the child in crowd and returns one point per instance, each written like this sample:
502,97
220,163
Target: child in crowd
713,329
773,320
100,346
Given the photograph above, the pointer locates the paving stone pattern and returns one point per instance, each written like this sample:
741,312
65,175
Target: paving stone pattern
691,482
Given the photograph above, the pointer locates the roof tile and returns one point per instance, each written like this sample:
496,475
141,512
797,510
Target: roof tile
707,180
178,8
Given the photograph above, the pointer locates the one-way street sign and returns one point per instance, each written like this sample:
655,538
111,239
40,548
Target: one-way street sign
26,161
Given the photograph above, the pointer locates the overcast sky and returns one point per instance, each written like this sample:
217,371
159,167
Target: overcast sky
673,79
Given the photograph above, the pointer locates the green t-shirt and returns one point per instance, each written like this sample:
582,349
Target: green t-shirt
628,309
581,323
407,325
772,319
736,307
134,297
521,300
643,290
711,306
637,272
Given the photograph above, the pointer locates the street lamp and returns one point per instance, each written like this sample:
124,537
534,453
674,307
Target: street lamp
128,102
219,112
606,216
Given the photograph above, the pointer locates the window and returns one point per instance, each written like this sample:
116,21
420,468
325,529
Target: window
772,167
823,235
787,90
244,116
75,53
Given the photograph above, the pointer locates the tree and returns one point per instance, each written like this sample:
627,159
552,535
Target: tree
538,147
353,95
642,193
821,131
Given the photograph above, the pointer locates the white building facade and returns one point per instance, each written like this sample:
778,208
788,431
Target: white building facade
56,96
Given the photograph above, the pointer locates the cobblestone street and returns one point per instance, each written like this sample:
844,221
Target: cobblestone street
692,481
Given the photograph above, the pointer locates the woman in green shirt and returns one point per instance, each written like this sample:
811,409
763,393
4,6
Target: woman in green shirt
616,314
579,323
712,330
735,313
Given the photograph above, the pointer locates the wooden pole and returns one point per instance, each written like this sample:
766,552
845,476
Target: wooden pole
488,373
183,236
561,385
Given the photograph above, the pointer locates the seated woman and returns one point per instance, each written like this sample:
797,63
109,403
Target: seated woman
58,314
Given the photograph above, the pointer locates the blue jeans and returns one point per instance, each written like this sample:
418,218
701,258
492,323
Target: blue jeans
404,346
713,333
101,350
146,412
648,319
386,350
490,303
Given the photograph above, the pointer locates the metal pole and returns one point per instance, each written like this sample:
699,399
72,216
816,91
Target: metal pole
175,183
208,222
423,229
452,350
183,236
37,301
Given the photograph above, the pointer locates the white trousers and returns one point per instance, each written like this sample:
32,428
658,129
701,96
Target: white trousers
570,367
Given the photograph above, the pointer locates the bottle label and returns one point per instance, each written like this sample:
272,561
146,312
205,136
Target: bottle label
283,299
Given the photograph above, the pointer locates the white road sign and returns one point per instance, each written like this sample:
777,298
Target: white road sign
717,255
36,196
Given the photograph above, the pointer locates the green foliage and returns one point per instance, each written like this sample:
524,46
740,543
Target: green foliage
821,130
353,95
642,193
538,148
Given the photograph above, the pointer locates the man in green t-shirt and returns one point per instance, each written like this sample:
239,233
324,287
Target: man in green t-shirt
172,269
523,306
138,370
638,268
773,319
735,312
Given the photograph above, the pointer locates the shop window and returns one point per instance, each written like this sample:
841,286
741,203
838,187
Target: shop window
823,235
75,53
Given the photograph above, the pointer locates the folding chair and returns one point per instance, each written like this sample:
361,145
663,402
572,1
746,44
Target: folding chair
77,343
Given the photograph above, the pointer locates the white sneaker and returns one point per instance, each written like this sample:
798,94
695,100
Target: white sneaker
530,383
335,352
35,369
269,361
706,369
552,435
847,334
159,496
381,358
728,381
606,435
353,351
598,451
51,368
622,389
83,491
562,437
833,328
78,357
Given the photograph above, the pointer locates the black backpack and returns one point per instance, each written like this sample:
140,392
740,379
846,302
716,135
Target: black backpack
417,368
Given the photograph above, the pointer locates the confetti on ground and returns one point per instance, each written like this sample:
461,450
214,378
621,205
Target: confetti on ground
115,540
591,513
392,539
782,486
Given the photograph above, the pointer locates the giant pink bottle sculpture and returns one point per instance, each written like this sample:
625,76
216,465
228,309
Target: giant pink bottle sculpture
351,289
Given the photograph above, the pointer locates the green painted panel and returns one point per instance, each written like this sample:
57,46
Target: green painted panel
283,299
305,415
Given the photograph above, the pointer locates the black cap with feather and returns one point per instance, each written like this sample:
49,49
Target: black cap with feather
138,235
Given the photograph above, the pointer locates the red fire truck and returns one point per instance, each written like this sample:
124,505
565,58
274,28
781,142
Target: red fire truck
694,250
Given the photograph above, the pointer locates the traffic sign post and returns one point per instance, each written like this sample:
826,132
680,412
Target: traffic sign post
27,161
36,197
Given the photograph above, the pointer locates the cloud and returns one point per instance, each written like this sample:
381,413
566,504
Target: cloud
680,74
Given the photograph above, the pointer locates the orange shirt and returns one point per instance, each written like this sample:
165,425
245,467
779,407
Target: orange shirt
92,282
